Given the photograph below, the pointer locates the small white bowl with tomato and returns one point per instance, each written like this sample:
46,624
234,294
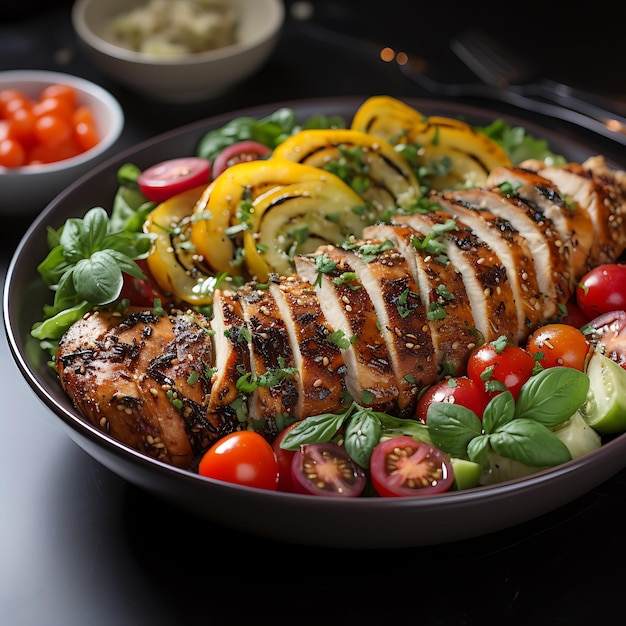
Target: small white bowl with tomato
54,127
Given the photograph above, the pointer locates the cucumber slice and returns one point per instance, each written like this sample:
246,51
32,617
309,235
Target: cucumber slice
578,436
466,473
605,407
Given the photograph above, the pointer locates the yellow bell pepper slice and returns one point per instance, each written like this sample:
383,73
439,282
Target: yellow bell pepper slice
297,219
369,164
171,260
387,118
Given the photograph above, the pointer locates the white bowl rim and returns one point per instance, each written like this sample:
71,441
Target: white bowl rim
196,58
46,77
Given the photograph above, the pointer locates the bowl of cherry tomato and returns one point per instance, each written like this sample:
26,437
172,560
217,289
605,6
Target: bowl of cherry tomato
54,127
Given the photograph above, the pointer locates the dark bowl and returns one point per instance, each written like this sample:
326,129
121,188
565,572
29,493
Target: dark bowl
352,523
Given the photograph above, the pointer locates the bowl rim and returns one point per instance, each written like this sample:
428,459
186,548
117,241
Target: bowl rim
47,77
120,53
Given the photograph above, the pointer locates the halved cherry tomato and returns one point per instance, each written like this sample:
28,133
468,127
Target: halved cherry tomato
460,390
403,466
560,344
326,469
244,457
169,178
602,290
609,331
239,152
284,458
500,364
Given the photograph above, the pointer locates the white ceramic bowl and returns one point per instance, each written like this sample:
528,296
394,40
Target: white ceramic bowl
193,77
27,190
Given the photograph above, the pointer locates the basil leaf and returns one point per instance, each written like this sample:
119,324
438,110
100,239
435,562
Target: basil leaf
362,434
396,426
552,396
499,411
451,427
478,450
98,279
529,442
315,429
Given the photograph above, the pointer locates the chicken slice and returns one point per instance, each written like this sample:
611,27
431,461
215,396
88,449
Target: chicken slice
552,268
573,225
449,314
319,360
143,378
388,279
512,249
272,365
484,275
602,194
232,356
370,377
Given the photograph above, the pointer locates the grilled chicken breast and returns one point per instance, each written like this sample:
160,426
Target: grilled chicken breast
375,320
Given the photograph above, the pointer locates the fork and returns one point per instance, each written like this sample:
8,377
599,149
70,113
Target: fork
496,65
607,125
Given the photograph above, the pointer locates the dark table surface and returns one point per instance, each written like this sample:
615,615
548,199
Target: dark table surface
80,546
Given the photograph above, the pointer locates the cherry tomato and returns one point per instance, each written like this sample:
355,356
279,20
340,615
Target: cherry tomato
455,390
500,362
574,316
244,457
85,128
403,466
609,332
141,292
602,290
326,469
52,129
12,153
560,344
284,458
169,178
238,152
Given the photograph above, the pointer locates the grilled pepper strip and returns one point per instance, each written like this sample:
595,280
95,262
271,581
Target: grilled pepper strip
369,164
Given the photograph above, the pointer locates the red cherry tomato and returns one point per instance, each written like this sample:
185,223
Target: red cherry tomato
560,344
239,152
455,390
402,466
602,290
244,457
574,316
499,363
169,178
284,458
326,469
141,291
609,331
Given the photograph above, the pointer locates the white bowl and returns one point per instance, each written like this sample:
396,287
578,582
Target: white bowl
193,77
26,190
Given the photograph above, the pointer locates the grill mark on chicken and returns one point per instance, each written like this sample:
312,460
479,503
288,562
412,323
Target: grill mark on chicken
601,193
450,317
552,269
142,378
271,356
572,224
513,251
484,276
319,361
389,282
350,310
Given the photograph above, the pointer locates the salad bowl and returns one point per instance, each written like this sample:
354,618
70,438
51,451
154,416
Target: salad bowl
366,522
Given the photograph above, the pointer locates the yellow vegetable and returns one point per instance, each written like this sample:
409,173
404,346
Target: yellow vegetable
387,118
256,215
369,164
172,261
